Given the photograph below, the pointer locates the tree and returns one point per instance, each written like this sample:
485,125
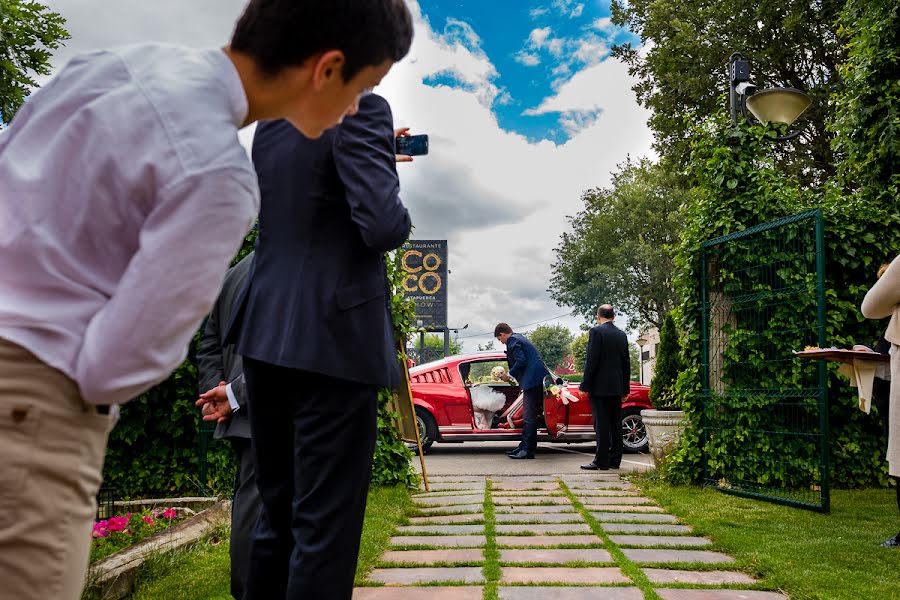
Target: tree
579,351
867,111
619,249
682,63
552,341
668,366
486,347
435,341
28,34
635,362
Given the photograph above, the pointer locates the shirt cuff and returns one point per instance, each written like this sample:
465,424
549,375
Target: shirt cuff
232,400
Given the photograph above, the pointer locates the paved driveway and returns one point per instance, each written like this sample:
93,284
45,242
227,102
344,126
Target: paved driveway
489,458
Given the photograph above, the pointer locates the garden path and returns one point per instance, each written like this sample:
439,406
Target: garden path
569,537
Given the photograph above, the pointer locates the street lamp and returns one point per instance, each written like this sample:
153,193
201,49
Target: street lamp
771,105
641,342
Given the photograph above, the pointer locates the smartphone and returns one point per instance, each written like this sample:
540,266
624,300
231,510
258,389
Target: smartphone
412,145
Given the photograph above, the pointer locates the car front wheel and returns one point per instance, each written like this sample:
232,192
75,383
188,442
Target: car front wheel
427,428
634,434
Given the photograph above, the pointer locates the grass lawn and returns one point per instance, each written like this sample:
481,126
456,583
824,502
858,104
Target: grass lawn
202,573
805,554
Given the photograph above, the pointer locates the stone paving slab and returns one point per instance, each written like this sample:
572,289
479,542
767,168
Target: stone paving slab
524,479
446,519
659,540
542,528
558,508
426,575
443,541
524,500
415,593
698,577
460,485
624,508
442,529
594,575
632,500
525,494
539,518
563,593
677,594
633,516
554,556
429,557
675,556
459,508
547,540
521,487
597,475
605,493
601,485
453,479
645,528
445,500
449,492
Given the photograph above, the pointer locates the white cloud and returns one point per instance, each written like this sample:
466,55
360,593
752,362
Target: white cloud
538,12
576,12
500,200
537,37
604,24
529,59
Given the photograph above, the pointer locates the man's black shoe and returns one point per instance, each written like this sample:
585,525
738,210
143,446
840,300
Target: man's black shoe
521,454
894,542
592,466
513,451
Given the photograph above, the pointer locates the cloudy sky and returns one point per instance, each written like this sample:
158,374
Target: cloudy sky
524,110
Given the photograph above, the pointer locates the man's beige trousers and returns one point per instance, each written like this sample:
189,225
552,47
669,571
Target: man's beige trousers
51,455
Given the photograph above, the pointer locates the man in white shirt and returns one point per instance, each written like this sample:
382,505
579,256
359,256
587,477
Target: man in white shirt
124,193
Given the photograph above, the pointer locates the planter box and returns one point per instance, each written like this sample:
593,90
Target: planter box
664,427
113,577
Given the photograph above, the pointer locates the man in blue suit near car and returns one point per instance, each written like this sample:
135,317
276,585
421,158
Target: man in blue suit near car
317,339
526,367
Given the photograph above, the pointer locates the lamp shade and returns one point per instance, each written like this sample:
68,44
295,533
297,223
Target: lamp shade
778,105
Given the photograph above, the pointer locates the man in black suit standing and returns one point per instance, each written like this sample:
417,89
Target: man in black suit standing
318,342
223,398
607,376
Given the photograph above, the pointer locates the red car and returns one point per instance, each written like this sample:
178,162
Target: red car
442,394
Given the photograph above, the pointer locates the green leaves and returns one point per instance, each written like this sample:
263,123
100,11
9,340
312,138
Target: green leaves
28,31
620,249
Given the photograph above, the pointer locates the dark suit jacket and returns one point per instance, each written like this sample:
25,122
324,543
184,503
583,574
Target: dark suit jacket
217,360
607,367
525,363
318,298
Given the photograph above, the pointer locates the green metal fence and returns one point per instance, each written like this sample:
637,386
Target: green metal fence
765,415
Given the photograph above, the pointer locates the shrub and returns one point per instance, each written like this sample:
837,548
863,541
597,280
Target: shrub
668,366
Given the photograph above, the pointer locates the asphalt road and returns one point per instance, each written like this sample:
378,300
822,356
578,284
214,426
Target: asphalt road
489,458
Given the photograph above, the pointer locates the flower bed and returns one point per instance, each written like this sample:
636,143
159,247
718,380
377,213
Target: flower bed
122,531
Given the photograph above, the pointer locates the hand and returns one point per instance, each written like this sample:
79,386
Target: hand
624,397
214,404
402,132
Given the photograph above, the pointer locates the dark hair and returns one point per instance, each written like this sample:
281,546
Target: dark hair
284,33
502,328
606,311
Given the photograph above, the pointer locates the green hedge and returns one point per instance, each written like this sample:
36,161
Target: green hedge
736,185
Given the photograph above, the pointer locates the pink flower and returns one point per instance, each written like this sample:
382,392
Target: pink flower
117,523
100,530
148,520
169,513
